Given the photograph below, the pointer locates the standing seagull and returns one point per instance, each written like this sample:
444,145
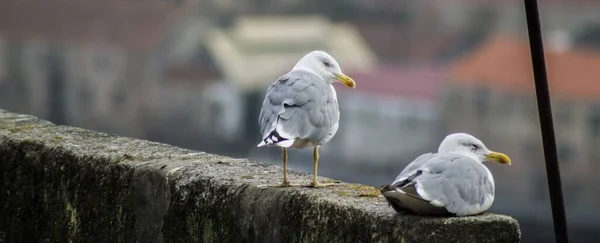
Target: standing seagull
451,182
301,108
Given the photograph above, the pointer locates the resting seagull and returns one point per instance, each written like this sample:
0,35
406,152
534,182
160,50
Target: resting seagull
452,181
301,110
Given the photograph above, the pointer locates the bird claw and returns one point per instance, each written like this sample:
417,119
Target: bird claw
285,184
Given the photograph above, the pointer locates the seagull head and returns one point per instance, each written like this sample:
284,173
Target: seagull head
472,147
323,64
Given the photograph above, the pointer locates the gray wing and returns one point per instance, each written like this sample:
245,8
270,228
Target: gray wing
457,183
413,166
298,105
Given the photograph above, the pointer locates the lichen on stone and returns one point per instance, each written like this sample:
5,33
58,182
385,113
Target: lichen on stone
21,128
65,184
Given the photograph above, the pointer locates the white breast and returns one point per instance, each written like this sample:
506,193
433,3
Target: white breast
333,92
489,173
487,201
336,125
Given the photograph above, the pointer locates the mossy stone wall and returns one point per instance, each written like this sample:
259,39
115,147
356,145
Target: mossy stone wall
66,184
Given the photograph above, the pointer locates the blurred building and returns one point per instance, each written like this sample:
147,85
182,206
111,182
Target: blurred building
84,63
491,94
133,69
441,30
390,117
193,73
255,50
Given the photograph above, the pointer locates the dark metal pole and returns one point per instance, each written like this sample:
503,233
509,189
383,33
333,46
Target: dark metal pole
546,124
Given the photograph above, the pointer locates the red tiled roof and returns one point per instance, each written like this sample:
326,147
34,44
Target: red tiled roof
126,23
540,2
505,62
418,82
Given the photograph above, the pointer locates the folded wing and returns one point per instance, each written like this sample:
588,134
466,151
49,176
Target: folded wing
296,107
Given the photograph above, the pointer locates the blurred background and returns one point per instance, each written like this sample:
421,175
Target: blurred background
193,73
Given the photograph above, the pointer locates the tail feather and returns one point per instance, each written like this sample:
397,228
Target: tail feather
274,139
408,200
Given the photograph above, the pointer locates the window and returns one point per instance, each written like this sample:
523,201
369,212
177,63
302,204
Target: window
530,109
3,63
85,98
588,35
481,100
119,98
565,153
562,113
101,62
453,98
505,103
593,155
594,120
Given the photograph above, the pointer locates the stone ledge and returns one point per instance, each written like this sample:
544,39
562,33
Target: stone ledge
66,184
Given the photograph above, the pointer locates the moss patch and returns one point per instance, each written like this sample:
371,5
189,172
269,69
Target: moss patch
329,180
21,128
57,139
62,184
357,190
73,223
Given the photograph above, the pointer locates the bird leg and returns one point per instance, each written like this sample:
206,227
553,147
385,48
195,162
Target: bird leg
315,182
284,158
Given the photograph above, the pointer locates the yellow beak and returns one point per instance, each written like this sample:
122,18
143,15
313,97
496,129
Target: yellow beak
348,81
498,157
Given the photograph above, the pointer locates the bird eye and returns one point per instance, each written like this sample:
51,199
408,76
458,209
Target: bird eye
326,63
474,146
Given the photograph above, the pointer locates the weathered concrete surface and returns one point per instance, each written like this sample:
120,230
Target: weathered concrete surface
65,184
